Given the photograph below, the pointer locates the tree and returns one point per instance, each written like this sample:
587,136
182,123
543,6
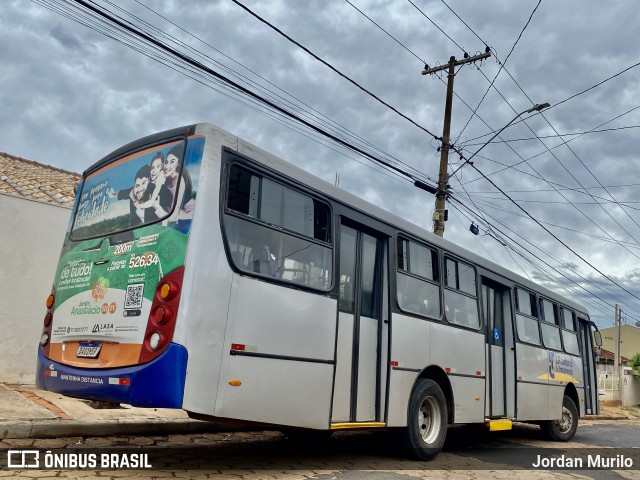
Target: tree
635,364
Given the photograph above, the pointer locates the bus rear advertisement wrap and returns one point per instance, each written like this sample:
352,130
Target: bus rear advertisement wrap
117,286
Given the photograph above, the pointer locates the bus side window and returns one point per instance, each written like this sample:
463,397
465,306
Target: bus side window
569,334
276,231
460,294
418,289
549,325
526,322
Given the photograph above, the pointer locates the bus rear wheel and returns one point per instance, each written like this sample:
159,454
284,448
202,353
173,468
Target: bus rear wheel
427,421
564,429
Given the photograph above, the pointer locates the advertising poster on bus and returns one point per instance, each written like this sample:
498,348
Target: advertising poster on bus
129,228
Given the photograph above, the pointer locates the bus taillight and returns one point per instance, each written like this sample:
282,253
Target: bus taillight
45,338
162,319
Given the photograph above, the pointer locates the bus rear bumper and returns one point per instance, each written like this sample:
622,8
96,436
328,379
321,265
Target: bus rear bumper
158,383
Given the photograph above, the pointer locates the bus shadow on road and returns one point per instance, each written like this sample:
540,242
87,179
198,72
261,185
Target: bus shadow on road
470,447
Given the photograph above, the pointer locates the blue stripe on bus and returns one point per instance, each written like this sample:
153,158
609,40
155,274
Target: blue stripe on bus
158,383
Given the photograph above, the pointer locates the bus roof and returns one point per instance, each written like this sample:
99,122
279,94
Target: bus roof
389,218
326,188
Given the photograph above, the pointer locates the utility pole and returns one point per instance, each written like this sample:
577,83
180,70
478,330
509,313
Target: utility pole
616,353
617,364
439,216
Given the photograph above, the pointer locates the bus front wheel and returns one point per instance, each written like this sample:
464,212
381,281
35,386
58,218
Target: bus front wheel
427,420
564,429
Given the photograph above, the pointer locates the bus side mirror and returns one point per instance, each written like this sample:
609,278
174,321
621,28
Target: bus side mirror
598,338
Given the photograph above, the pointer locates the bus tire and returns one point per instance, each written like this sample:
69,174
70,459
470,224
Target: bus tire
564,429
427,420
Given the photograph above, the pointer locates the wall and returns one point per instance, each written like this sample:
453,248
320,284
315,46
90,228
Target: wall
609,386
31,235
630,388
629,340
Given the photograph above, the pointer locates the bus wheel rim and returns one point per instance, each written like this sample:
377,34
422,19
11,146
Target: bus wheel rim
566,421
429,420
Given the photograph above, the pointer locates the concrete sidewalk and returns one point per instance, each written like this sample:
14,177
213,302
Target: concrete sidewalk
27,412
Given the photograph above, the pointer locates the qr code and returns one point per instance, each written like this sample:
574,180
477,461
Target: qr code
133,298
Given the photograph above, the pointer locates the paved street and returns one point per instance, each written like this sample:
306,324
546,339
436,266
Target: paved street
469,453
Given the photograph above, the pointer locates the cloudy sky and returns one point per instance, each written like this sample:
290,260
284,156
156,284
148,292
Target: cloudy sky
71,95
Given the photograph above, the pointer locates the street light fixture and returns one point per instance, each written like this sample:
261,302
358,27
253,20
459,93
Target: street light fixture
536,108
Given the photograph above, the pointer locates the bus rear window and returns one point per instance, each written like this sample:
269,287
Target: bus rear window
130,192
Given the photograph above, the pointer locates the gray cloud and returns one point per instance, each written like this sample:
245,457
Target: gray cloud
69,101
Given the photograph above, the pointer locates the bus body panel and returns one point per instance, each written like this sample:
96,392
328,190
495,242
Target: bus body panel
468,395
410,339
341,406
278,321
533,384
582,405
202,318
564,369
462,356
367,369
279,392
283,343
401,383
159,383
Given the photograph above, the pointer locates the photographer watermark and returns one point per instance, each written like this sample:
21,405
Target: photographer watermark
69,460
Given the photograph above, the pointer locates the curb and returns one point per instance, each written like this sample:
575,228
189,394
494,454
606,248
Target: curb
75,428
610,417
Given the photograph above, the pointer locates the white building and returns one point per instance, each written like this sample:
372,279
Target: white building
35,204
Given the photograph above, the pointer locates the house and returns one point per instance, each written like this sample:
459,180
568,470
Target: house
605,363
35,205
629,339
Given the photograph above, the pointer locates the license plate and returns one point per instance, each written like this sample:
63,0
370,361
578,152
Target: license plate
88,350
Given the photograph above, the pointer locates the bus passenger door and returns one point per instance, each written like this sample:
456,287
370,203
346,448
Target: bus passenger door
360,378
588,368
500,384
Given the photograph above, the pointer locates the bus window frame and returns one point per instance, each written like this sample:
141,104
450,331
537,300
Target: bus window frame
561,308
399,271
555,323
228,159
532,317
108,161
449,256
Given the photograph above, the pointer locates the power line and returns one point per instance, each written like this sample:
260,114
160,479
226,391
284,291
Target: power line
556,202
576,94
552,148
327,64
547,254
553,235
334,126
203,68
502,64
564,142
465,23
436,25
597,237
530,166
554,129
538,177
559,135
385,31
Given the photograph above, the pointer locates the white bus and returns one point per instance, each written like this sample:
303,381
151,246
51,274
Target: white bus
200,272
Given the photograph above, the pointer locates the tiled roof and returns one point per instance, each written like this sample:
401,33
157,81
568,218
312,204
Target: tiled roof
36,181
606,355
